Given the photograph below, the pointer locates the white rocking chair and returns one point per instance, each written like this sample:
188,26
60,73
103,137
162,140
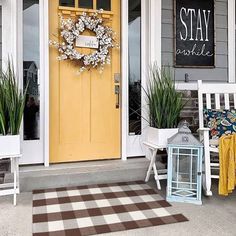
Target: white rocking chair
212,96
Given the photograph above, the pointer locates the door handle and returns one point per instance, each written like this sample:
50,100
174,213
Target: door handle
117,93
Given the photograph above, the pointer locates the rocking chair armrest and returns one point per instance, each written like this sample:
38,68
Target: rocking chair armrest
203,130
204,135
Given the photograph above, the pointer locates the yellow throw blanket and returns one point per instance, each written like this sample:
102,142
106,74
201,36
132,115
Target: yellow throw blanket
227,158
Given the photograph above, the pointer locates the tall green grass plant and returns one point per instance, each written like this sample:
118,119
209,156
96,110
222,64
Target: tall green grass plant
164,101
12,102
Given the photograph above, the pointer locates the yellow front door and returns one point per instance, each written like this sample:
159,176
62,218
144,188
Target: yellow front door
84,111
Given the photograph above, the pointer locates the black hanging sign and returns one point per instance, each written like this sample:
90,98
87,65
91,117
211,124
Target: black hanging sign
194,33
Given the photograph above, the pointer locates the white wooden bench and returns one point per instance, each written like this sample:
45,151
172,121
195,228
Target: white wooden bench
212,96
152,169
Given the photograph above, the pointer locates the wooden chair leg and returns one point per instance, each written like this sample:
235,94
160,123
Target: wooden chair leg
15,179
207,167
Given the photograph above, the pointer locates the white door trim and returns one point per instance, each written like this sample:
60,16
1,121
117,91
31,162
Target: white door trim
124,69
124,73
155,9
44,20
131,145
29,146
150,52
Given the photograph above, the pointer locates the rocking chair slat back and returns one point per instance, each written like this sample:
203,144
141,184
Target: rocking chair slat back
235,101
217,101
227,105
218,96
208,101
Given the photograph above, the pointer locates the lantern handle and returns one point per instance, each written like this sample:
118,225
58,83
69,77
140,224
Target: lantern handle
184,127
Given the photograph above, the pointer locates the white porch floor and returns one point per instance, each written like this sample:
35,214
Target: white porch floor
217,216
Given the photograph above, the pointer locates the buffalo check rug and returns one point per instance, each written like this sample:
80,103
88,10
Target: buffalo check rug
101,208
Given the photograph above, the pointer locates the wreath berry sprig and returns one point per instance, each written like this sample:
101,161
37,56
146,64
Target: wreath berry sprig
71,29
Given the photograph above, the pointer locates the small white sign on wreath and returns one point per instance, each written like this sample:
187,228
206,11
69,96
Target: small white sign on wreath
71,33
84,41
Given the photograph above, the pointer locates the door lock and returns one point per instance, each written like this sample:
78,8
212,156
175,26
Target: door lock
117,93
117,78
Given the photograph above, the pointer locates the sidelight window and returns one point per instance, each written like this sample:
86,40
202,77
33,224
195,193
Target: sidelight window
31,64
134,67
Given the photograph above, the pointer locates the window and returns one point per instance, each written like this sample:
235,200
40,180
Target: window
86,4
31,66
67,3
104,4
135,67
0,36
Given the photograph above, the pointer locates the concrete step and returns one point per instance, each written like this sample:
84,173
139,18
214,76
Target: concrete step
83,173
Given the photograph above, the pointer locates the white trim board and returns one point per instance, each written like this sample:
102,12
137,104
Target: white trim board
231,41
45,74
32,150
124,76
132,144
155,23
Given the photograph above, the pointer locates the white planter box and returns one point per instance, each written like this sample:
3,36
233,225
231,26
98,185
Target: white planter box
9,145
160,136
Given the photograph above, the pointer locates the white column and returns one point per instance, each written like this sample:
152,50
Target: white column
231,40
155,31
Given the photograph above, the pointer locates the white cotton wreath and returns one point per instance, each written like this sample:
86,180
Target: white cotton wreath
71,29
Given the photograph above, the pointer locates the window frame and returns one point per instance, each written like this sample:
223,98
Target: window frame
94,7
67,6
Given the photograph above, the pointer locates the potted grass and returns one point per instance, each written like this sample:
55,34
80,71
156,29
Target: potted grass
165,104
12,102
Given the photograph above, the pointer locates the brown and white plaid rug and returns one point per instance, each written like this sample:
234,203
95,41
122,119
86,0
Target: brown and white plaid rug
96,209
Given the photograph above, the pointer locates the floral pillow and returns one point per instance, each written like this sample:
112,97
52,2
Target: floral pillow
220,122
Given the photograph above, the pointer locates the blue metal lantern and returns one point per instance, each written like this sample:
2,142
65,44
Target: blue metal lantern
184,167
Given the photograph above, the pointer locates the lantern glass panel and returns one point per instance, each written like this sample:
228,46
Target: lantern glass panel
185,151
175,150
174,169
195,152
184,172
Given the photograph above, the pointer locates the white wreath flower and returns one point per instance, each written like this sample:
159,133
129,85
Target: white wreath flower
71,29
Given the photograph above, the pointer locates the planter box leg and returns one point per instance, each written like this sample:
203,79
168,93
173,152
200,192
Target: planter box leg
152,162
156,177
